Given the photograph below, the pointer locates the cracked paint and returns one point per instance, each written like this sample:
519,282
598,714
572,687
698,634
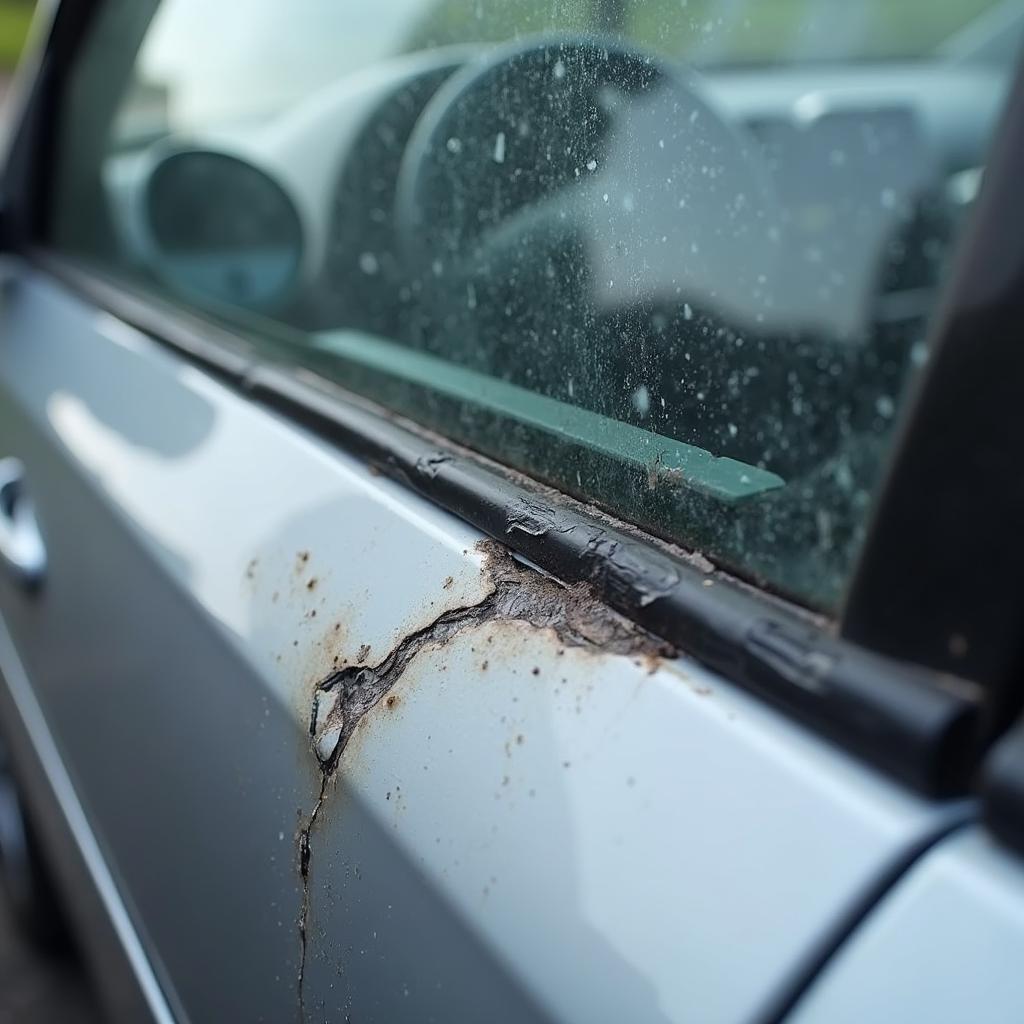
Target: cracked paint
516,594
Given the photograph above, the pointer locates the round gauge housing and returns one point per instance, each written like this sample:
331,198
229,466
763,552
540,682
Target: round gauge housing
222,230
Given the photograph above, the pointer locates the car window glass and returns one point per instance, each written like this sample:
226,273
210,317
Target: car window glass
676,258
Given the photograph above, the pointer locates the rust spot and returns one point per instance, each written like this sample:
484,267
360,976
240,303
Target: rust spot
363,653
449,581
484,666
311,585
536,670
517,594
650,664
250,569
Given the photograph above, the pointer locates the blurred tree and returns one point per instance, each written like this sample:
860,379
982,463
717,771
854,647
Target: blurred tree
714,31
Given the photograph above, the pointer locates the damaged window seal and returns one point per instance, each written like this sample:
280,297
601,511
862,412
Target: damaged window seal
921,727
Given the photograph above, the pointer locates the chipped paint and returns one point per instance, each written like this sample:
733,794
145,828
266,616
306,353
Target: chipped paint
515,594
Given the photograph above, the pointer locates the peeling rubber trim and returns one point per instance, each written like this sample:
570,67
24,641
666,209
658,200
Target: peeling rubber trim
919,726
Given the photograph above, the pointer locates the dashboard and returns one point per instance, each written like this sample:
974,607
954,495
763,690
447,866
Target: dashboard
566,208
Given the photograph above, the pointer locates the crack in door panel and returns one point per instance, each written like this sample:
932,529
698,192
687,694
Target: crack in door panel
518,594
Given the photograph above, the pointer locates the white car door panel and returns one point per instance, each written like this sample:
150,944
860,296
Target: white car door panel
943,945
527,824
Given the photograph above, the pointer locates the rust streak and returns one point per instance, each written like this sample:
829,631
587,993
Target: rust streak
517,594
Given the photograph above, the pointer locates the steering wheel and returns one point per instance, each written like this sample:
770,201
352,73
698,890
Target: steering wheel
572,193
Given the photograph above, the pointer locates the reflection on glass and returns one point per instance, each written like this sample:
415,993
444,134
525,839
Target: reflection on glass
676,258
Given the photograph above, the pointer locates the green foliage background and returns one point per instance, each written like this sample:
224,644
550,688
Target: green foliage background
15,16
750,31
765,30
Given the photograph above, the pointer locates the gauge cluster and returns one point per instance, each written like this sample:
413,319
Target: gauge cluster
290,218
222,229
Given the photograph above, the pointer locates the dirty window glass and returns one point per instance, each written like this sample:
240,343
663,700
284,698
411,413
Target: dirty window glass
675,257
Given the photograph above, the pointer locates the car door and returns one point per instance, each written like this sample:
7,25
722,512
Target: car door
344,619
